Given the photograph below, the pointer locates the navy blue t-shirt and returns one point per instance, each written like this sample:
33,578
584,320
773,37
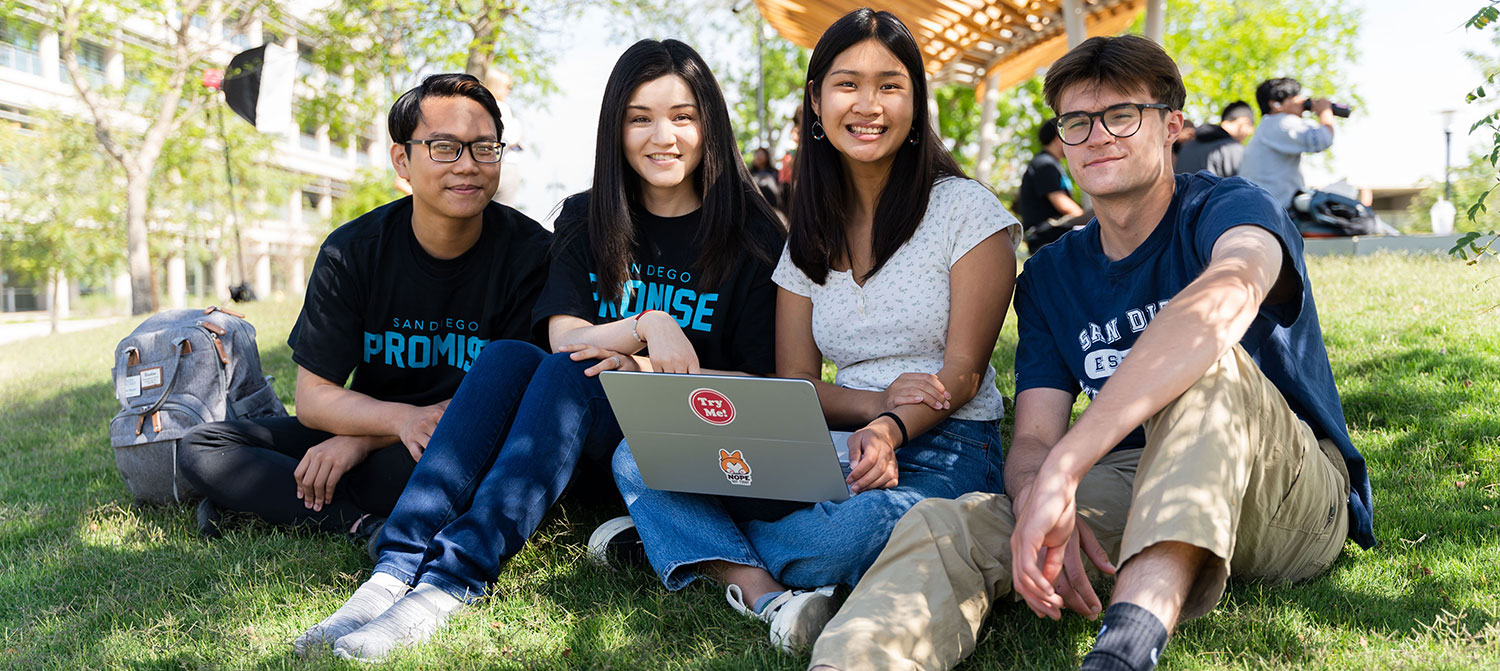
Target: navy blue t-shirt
1080,313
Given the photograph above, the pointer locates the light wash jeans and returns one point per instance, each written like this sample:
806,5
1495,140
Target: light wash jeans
804,545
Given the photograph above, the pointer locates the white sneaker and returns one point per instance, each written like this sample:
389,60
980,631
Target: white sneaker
616,543
796,616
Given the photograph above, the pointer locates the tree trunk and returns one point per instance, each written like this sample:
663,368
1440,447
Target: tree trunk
137,254
481,49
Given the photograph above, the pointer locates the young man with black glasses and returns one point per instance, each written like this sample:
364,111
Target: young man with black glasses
1214,442
403,298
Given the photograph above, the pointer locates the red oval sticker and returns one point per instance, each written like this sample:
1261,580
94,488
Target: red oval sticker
711,406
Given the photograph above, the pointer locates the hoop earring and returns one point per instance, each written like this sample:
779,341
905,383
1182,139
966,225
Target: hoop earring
817,131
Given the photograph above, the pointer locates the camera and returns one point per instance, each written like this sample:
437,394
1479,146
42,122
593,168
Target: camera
1341,110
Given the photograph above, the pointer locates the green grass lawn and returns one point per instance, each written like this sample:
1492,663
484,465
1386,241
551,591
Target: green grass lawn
89,581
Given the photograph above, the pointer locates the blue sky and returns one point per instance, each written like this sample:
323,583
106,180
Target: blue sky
1411,67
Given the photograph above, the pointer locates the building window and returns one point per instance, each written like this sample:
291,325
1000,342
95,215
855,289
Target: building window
91,59
19,41
305,67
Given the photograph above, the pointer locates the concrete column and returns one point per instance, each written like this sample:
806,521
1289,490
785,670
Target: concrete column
263,276
220,279
932,107
1073,15
114,61
989,135
62,306
176,281
294,208
325,207
1156,11
48,51
296,281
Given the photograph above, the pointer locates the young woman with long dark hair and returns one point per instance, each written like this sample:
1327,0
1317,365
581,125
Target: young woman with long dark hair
899,270
671,212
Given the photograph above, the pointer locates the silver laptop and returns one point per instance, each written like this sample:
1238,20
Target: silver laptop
733,436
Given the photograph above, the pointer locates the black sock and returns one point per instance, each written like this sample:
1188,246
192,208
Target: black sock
1131,639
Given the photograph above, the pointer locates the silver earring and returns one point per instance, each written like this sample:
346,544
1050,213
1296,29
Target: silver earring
817,131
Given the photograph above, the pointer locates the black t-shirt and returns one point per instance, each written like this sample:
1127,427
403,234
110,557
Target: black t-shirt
1043,176
408,325
732,326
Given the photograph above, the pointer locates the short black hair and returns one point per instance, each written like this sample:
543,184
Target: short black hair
1238,109
1125,63
1047,132
406,113
1275,91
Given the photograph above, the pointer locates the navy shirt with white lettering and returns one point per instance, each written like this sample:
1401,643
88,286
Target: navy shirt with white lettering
732,326
1080,313
408,325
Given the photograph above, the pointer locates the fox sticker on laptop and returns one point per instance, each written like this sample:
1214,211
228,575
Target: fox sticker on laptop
735,468
711,406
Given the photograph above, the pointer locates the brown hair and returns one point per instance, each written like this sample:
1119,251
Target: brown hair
1124,63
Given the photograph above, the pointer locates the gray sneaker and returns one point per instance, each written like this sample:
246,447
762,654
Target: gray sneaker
796,616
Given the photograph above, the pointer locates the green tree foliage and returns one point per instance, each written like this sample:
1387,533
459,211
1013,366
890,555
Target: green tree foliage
59,221
368,189
1019,112
1225,48
1475,244
785,68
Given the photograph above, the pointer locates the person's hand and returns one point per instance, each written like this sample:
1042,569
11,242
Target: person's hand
1073,583
872,456
1321,105
914,389
322,466
417,428
671,352
1044,526
608,359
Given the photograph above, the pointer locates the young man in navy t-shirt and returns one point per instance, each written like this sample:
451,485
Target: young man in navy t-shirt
1214,442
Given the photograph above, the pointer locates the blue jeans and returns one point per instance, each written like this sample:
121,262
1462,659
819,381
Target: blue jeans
506,447
812,545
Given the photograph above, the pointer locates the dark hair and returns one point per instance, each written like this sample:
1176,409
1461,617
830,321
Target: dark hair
755,158
1047,132
1275,91
1125,63
822,192
406,113
731,204
1238,109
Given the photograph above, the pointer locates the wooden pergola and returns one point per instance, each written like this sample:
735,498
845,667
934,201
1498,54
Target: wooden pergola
990,45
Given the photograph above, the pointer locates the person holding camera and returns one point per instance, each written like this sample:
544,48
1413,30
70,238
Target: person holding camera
1273,159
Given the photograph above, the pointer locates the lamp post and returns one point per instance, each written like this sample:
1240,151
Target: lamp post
1444,212
1447,153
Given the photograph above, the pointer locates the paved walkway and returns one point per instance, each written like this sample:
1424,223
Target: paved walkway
12,331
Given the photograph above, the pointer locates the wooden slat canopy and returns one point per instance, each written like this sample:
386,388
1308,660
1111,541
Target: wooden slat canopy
964,41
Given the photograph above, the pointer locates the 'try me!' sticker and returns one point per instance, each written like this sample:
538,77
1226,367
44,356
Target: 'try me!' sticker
711,406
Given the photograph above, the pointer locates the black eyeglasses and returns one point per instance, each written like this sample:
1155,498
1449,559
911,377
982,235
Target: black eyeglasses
1122,120
448,151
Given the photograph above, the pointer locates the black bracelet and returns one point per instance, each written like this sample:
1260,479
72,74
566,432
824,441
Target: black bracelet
899,424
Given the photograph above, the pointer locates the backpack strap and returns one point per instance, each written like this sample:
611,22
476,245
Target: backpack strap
169,379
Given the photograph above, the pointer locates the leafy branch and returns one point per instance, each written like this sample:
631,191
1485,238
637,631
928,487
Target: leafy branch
1474,246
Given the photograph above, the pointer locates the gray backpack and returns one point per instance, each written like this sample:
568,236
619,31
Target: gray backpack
179,369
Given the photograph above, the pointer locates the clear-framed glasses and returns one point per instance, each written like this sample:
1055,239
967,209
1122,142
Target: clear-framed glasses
1121,120
448,151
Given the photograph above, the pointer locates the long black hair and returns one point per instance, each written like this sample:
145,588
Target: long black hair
822,193
729,196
